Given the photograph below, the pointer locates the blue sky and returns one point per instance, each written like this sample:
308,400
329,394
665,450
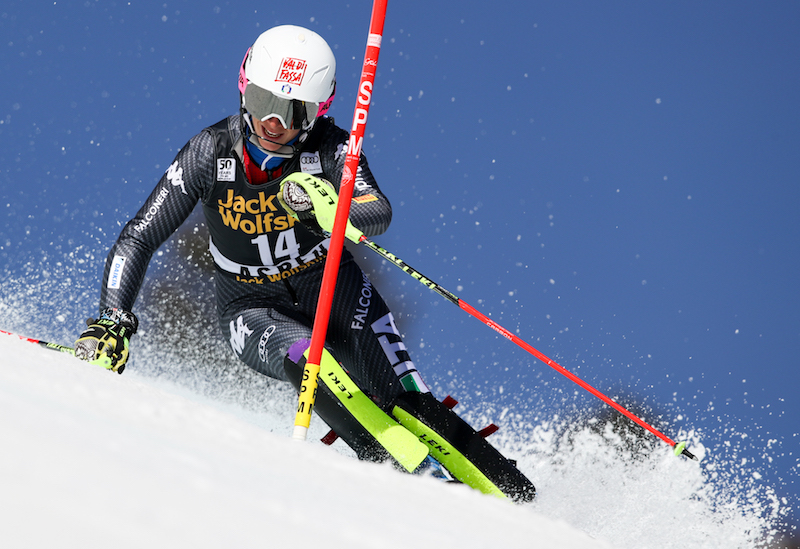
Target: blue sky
616,182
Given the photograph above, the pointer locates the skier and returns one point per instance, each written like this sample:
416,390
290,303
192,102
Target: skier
268,265
264,177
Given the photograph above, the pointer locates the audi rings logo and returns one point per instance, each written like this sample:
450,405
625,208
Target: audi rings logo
262,344
310,163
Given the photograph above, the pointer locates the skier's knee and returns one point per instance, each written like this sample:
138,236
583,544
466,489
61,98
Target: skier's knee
292,363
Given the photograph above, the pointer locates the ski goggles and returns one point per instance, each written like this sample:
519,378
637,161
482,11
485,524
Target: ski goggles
292,113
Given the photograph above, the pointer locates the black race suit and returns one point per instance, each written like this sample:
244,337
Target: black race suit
269,266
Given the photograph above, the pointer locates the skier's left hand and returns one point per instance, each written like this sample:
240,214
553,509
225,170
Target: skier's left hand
105,341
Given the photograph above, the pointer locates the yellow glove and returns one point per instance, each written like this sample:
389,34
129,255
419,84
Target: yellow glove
302,194
106,340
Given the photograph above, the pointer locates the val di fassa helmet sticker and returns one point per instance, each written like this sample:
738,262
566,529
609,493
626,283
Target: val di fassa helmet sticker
291,71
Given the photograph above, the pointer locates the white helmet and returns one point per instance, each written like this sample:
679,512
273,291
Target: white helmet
289,73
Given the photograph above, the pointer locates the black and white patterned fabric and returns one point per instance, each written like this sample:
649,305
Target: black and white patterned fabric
269,266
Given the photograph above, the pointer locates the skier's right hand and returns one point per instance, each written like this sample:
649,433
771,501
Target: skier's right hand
105,342
302,195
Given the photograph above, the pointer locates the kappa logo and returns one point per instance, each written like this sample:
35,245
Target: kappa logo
340,148
175,176
239,333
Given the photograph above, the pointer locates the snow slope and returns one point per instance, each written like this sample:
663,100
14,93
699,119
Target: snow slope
94,459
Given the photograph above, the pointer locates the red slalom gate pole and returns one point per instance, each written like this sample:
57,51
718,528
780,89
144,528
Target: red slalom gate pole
308,386
679,447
